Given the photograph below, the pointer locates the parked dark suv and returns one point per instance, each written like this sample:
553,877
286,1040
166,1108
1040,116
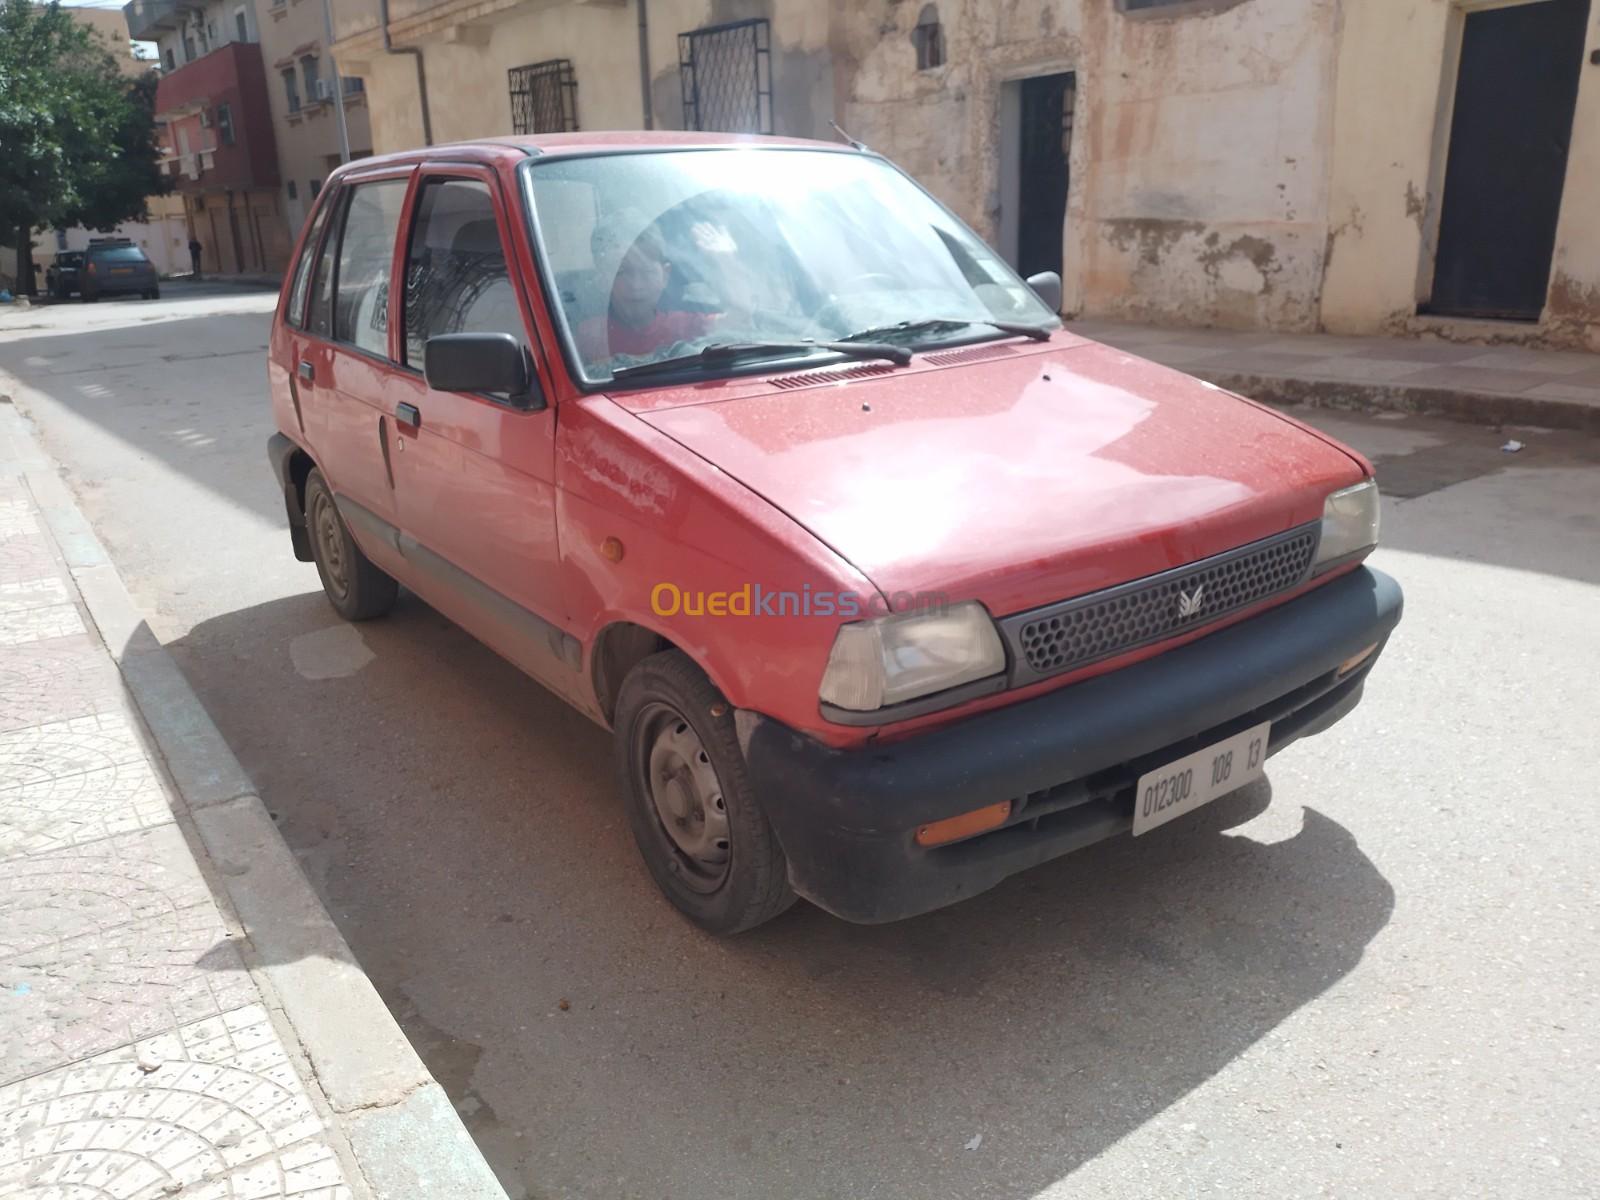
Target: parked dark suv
111,268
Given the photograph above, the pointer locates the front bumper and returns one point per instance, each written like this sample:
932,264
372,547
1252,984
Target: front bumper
1068,759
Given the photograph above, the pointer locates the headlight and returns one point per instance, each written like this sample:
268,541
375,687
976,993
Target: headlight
1349,523
893,659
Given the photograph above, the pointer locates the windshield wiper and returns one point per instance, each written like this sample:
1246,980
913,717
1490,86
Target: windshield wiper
1039,333
726,352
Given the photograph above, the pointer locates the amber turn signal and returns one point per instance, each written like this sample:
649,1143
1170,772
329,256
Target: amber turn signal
953,829
611,549
1355,660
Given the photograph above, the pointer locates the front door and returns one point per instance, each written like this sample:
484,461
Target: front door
1045,127
475,474
1509,135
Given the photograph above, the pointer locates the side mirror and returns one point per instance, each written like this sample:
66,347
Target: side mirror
482,362
1047,286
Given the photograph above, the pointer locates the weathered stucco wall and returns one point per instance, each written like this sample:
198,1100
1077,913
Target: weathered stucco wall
1382,208
1237,163
1199,153
1572,315
1392,111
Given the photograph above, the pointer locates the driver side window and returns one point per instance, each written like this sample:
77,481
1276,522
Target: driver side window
457,279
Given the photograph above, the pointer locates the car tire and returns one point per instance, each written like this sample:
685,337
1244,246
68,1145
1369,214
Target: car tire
357,589
694,815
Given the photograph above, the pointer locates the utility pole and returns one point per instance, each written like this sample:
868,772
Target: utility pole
338,83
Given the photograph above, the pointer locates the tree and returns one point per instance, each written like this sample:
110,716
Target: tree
77,137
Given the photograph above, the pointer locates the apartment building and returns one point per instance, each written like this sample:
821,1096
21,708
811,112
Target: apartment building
1350,165
309,102
220,144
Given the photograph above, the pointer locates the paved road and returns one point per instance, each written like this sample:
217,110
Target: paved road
1384,982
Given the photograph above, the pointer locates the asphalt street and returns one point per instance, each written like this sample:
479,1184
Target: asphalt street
1376,973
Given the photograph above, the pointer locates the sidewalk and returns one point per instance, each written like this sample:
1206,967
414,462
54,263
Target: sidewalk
178,1015
1492,385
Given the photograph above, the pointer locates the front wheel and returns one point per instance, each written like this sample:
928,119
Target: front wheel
703,836
357,589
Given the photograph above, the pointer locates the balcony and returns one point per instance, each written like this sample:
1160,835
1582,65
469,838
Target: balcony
149,19
188,101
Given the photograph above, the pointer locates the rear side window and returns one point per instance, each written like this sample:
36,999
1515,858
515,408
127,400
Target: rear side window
456,277
321,319
119,254
302,271
366,250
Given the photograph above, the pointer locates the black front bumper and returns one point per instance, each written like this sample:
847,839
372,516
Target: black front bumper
1068,760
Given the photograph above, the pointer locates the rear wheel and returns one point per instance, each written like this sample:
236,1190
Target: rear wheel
357,589
703,836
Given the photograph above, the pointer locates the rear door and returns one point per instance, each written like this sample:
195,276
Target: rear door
343,362
474,473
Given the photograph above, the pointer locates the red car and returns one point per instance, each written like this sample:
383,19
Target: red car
888,585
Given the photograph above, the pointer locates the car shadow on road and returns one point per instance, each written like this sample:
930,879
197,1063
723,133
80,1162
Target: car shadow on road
463,827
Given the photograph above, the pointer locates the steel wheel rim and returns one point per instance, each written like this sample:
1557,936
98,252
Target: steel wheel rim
686,798
330,541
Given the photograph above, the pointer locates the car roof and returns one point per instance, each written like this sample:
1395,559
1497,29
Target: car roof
572,145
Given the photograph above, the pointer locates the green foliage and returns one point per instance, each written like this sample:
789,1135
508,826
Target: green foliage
77,137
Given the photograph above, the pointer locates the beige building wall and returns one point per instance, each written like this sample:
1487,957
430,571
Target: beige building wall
1250,164
292,32
469,47
1392,110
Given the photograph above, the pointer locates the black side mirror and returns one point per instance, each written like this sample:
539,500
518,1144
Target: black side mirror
482,362
1047,286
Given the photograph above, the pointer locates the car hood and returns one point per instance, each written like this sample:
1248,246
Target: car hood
1011,474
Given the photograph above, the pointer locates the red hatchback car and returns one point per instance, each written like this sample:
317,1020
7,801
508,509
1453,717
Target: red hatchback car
888,585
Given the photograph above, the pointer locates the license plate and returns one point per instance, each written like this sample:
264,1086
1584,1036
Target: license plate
122,270
1199,778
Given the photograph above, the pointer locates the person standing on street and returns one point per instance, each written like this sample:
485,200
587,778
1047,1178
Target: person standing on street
194,255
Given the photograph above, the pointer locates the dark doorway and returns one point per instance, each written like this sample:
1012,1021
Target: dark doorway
1515,94
1045,128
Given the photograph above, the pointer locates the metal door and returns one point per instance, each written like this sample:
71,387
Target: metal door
1046,133
1509,136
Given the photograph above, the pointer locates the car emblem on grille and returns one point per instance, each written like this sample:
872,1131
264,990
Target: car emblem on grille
1190,603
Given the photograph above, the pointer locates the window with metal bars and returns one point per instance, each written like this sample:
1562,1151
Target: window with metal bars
726,75
544,97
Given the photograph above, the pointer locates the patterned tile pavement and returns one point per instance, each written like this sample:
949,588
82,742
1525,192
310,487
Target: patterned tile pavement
55,678
108,942
136,1061
211,1109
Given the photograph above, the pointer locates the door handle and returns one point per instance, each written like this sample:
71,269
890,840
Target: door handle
409,415
307,371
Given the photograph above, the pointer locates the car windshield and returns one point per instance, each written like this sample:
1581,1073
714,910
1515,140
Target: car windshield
118,254
656,255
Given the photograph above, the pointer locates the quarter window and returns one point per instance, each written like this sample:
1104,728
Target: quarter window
366,249
321,319
456,277
302,271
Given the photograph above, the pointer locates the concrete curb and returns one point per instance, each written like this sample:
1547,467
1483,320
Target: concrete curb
401,1130
1481,408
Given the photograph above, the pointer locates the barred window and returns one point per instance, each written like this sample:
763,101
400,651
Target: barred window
544,97
726,75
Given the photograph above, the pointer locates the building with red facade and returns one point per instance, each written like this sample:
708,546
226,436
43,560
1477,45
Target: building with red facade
220,150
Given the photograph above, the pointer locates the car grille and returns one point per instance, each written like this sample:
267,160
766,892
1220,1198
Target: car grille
1073,633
